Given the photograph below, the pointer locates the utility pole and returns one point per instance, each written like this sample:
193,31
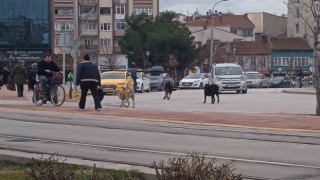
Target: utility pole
75,38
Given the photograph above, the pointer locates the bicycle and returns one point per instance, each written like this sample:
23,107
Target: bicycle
57,93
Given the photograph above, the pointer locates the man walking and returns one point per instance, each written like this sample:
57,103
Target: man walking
133,75
88,77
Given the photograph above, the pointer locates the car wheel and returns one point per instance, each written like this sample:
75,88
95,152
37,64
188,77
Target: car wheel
260,86
245,91
201,86
142,88
238,91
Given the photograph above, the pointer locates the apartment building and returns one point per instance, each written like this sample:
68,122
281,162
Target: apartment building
101,24
300,20
268,24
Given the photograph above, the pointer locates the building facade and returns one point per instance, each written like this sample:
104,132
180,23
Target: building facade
25,31
225,28
101,24
290,54
268,24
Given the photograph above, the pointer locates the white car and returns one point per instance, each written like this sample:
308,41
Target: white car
143,82
257,81
197,80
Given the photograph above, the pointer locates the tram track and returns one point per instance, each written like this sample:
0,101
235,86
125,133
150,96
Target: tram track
139,150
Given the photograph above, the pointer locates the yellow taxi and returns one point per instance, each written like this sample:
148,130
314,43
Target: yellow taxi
113,80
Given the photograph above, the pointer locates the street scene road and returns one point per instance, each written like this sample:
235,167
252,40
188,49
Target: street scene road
136,137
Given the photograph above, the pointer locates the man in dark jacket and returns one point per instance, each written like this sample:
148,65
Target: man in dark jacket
88,77
300,76
46,68
133,75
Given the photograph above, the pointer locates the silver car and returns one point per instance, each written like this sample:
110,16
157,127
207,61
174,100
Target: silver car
257,81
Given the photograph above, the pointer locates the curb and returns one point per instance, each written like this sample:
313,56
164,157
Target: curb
298,92
75,161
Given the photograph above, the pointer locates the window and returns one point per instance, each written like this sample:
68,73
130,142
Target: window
63,11
88,42
63,26
147,11
105,27
120,9
105,11
253,62
297,28
119,25
116,42
89,27
298,61
105,42
275,61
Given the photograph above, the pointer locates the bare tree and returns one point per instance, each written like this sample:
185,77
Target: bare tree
110,59
308,12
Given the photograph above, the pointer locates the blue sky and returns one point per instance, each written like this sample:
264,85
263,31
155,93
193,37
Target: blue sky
236,6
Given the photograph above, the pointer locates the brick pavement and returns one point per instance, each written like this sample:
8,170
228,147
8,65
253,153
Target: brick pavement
254,120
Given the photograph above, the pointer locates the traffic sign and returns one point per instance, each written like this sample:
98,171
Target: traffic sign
64,39
75,43
75,52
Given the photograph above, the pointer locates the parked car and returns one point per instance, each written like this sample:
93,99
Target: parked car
229,77
250,72
112,80
158,78
280,82
257,81
197,80
143,83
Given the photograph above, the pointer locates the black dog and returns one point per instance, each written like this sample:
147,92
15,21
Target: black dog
168,88
211,90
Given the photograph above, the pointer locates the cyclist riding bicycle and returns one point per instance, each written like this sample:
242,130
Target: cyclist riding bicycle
46,68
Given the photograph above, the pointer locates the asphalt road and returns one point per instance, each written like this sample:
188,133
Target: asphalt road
258,153
255,101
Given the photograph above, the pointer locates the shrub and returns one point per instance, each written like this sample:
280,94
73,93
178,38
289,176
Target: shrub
194,167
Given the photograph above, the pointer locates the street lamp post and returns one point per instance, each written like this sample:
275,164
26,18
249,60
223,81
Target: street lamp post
148,54
211,47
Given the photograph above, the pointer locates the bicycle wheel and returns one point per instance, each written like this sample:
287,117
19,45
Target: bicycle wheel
58,95
37,97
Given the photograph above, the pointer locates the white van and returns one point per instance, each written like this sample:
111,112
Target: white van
229,77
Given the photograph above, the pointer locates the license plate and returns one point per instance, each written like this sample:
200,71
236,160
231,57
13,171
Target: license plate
231,85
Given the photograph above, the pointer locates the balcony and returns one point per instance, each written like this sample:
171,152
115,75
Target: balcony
83,2
88,16
89,48
89,33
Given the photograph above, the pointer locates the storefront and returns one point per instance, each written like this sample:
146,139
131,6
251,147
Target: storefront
24,30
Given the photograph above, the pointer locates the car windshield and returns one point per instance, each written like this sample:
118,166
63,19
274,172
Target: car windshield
277,79
193,76
221,71
253,76
113,76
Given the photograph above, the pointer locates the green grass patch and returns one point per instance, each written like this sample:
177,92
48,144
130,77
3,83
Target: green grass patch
16,171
